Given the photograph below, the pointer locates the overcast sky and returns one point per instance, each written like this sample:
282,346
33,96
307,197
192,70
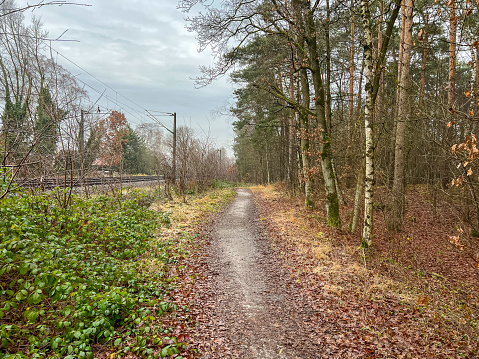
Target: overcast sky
141,49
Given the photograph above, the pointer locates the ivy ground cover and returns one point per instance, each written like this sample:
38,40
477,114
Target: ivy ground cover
87,278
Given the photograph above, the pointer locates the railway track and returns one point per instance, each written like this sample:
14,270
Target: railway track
50,183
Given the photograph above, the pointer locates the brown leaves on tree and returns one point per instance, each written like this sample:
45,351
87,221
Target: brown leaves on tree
114,132
467,149
420,36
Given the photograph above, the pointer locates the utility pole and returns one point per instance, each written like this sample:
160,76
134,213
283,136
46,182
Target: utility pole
81,143
173,132
81,138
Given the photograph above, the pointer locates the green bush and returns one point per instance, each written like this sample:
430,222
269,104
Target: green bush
74,277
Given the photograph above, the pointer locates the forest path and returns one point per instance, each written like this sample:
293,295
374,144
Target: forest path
254,313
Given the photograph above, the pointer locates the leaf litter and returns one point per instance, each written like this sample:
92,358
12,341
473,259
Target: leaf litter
415,297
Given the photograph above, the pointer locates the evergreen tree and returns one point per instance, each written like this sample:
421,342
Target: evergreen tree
45,123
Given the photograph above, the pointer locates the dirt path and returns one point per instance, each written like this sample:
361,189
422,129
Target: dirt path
254,312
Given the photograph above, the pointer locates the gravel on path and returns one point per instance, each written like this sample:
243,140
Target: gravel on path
251,310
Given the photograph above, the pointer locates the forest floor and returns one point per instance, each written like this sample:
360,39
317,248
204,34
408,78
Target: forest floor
271,280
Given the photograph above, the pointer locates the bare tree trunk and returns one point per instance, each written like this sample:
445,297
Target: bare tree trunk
328,98
425,44
400,56
372,87
472,96
351,73
357,196
368,126
477,81
451,93
332,203
304,121
360,92
398,205
268,175
379,101
292,163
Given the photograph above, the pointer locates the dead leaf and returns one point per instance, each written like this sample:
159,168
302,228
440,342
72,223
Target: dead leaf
467,93
469,173
452,123
471,113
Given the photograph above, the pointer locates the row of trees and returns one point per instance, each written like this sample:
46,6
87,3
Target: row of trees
330,92
49,127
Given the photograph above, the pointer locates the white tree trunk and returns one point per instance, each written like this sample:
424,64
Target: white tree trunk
368,128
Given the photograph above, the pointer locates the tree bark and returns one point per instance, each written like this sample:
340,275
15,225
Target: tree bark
398,205
372,87
292,163
328,98
425,44
332,203
305,145
451,93
368,126
351,73
379,101
357,197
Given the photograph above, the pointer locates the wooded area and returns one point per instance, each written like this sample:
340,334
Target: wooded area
336,95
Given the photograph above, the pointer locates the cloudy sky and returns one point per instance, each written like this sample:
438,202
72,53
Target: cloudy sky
141,49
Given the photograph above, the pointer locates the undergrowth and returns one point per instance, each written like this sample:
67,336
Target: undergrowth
75,278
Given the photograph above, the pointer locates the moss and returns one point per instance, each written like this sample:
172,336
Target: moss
309,203
334,219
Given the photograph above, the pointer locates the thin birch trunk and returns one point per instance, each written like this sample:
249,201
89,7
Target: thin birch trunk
360,93
305,145
372,87
368,126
